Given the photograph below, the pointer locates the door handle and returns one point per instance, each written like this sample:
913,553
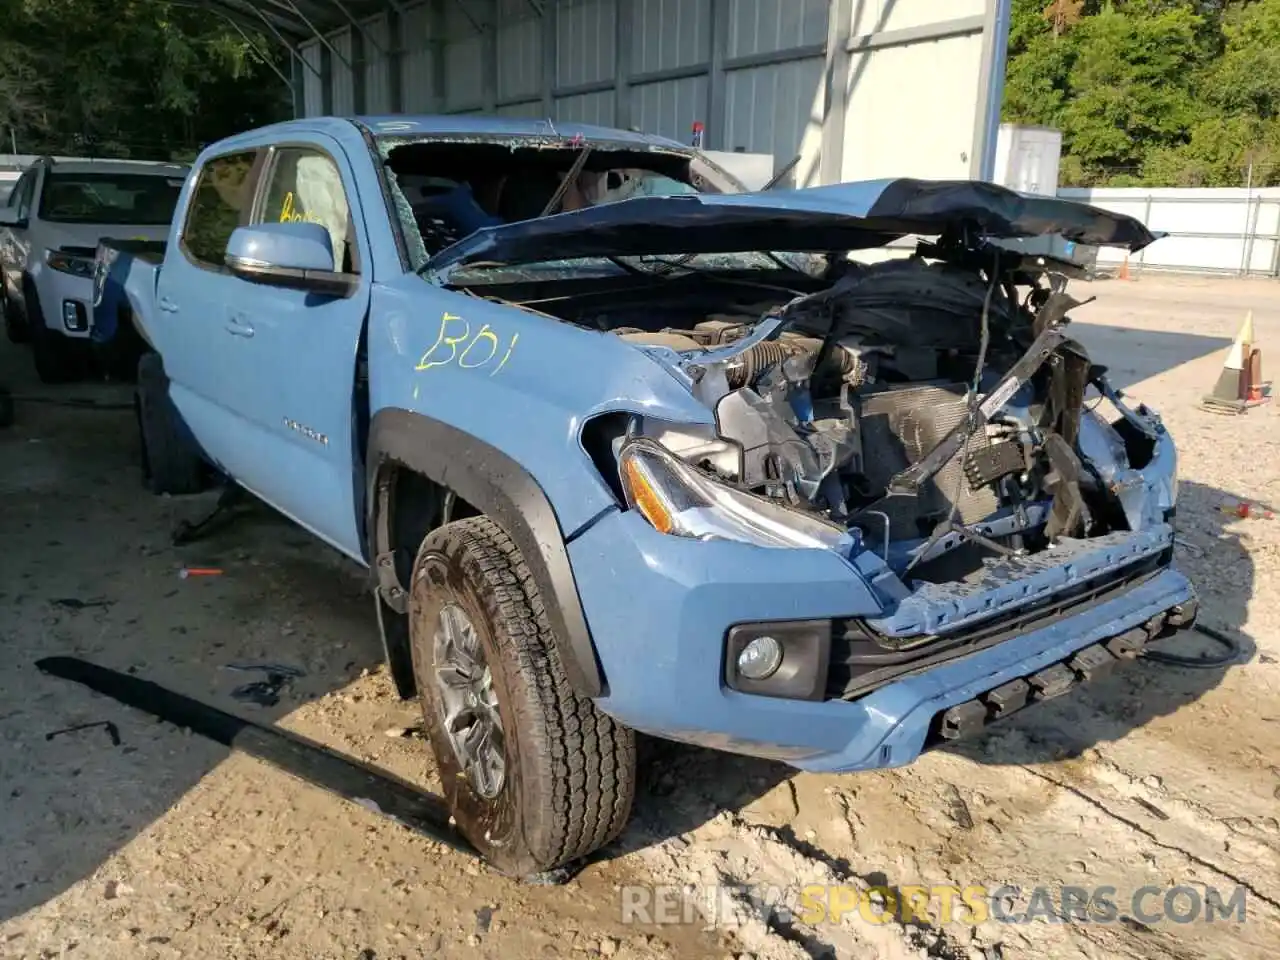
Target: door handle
239,325
167,305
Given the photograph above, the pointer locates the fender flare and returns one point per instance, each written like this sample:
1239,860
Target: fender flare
503,490
30,299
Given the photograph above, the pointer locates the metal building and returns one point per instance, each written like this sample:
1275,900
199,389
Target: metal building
856,88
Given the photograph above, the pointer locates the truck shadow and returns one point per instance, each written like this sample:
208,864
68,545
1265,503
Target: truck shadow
88,571
684,787
1134,354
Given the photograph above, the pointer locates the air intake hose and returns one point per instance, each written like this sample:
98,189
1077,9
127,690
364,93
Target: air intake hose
769,353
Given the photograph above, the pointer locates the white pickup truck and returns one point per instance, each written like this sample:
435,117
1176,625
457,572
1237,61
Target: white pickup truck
49,230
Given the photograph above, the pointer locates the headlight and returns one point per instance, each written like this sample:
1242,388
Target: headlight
679,500
68,263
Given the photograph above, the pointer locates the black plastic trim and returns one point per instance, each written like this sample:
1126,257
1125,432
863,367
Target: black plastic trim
806,655
496,485
861,663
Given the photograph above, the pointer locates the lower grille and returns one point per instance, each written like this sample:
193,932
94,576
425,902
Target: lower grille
861,660
1083,666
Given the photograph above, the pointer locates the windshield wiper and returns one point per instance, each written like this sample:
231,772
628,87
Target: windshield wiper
504,265
719,275
683,262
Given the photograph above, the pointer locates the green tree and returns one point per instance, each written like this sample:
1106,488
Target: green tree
130,78
1156,92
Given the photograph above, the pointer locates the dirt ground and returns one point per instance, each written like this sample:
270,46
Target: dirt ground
168,845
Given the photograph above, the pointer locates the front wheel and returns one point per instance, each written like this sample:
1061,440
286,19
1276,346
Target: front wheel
535,775
56,357
15,326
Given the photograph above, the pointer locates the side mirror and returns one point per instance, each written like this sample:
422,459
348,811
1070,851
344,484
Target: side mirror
288,254
9,218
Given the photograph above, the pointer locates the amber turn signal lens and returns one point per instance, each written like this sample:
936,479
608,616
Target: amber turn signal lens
644,497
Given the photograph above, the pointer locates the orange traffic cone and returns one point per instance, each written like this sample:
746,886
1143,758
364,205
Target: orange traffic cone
1124,270
1254,392
1239,385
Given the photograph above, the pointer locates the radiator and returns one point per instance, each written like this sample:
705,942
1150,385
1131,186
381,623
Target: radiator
899,425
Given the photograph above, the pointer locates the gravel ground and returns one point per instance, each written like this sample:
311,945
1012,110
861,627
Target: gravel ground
168,845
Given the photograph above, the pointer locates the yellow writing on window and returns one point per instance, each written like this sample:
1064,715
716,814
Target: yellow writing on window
289,213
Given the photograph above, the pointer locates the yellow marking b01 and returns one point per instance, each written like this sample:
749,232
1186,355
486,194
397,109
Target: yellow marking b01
465,348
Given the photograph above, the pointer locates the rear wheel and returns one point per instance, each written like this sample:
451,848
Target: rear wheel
535,775
170,462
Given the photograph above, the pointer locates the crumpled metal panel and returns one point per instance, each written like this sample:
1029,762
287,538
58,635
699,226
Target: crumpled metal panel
1015,582
844,216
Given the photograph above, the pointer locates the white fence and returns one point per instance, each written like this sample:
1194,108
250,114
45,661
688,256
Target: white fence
1212,230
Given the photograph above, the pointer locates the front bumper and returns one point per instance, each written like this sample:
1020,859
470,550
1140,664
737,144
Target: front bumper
659,608
55,289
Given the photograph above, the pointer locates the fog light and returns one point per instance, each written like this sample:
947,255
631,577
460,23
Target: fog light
780,658
760,659
73,315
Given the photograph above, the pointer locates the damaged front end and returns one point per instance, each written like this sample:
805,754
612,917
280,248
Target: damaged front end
932,422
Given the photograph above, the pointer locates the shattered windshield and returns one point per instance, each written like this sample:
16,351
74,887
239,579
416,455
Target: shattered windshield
445,188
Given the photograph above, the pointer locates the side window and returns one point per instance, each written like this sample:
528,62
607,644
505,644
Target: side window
305,185
22,192
220,202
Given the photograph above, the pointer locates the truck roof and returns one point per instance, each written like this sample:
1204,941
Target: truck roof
159,168
458,125
454,124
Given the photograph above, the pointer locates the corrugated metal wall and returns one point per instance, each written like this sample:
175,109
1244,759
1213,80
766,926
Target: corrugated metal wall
377,65
752,71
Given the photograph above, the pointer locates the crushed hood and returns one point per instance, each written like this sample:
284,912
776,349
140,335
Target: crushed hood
844,216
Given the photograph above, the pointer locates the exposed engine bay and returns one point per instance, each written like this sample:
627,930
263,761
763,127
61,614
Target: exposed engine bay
869,377
934,407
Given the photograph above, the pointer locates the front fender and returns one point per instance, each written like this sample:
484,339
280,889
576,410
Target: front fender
490,400
519,382
500,488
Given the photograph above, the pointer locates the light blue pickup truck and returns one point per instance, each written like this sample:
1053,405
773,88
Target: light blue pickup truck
627,448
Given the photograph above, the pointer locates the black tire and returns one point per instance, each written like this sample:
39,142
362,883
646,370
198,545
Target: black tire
170,464
15,325
56,357
570,769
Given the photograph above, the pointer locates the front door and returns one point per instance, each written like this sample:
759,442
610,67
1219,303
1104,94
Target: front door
283,370
303,346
